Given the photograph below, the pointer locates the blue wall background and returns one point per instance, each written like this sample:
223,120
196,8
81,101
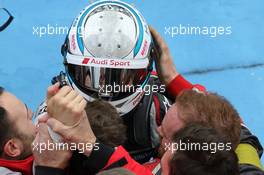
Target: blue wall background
28,62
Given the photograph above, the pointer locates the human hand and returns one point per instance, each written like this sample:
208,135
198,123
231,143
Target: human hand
68,118
47,155
80,133
164,63
64,104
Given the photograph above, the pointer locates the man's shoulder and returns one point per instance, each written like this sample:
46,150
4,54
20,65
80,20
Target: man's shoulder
6,171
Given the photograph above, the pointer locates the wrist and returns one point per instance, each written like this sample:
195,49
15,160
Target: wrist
91,141
170,77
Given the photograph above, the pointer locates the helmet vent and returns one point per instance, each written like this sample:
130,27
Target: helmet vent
110,32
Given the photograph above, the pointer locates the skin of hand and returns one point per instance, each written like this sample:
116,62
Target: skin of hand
68,117
65,104
164,62
46,157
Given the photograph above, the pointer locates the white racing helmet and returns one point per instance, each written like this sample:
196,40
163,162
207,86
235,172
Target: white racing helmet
107,54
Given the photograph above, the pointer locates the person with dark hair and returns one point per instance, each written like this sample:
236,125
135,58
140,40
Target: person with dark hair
106,123
71,122
178,116
107,126
16,135
77,129
198,149
120,71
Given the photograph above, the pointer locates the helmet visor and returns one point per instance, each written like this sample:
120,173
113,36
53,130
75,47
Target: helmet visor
107,83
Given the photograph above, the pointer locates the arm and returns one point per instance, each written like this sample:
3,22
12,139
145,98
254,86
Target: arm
249,152
105,157
179,84
48,160
166,69
76,129
246,137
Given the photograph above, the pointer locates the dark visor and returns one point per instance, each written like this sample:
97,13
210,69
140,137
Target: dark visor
108,84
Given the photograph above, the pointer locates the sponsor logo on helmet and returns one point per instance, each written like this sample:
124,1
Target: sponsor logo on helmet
143,52
106,62
73,45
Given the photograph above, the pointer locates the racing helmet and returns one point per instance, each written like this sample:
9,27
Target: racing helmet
107,54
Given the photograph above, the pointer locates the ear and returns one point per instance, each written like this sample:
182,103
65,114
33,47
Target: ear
13,148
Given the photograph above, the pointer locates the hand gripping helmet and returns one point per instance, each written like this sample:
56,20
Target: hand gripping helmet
107,54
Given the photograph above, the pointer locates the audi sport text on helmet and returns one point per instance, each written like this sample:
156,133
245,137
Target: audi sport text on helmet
107,54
